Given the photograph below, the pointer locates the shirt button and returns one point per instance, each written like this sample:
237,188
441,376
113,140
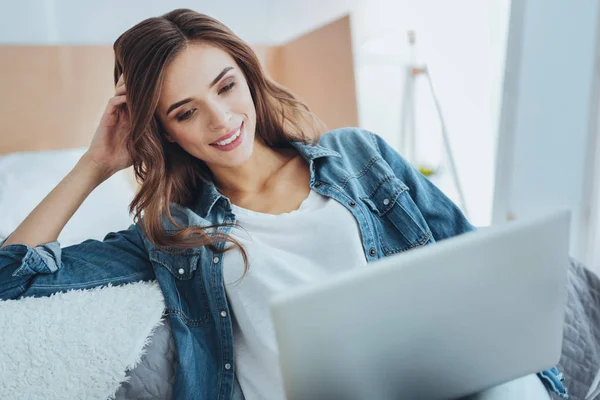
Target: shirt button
181,271
386,202
352,204
318,184
227,366
216,260
223,314
372,251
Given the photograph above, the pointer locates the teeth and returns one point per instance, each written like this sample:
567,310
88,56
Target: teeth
231,139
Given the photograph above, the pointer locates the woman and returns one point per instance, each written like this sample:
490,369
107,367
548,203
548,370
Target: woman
241,196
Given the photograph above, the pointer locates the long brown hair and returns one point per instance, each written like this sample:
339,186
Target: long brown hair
166,172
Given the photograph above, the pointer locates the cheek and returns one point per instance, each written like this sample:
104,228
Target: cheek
245,100
187,134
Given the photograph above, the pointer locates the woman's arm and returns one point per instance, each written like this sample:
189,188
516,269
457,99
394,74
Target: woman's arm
48,219
106,155
32,261
444,218
120,258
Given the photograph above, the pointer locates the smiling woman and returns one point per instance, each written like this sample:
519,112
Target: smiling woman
220,108
197,102
234,170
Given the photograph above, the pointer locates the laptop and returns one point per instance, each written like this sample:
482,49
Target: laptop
437,322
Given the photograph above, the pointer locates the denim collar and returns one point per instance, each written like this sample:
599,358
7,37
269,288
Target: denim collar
209,195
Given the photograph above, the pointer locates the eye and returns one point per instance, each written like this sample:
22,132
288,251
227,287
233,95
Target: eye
227,88
186,115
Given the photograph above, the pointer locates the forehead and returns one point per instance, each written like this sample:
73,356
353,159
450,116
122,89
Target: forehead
192,71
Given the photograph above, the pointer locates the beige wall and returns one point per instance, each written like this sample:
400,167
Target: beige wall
52,97
319,68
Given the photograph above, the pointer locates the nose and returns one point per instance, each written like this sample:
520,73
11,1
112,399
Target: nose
219,116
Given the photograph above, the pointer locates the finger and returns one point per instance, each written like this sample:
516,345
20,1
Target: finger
117,100
121,81
120,90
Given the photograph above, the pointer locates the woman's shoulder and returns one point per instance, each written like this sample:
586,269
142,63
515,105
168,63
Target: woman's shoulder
180,215
345,134
350,139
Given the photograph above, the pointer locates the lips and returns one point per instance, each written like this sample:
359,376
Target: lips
228,135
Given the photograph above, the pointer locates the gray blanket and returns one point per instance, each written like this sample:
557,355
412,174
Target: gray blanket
153,378
580,360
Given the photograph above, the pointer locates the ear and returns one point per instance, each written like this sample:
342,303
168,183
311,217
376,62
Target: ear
167,135
164,132
170,138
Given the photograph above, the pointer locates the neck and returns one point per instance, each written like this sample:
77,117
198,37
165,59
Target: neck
258,174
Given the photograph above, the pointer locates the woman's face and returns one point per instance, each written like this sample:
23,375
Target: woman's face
206,107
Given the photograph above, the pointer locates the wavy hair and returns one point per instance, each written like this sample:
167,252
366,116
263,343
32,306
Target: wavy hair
167,173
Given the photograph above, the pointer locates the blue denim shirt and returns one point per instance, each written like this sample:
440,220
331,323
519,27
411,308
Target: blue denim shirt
396,207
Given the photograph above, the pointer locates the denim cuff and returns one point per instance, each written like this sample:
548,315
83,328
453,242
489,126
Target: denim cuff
553,380
42,259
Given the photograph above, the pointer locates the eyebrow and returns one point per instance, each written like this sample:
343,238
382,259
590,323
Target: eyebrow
213,83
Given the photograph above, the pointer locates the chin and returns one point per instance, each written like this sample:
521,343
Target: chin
242,158
239,158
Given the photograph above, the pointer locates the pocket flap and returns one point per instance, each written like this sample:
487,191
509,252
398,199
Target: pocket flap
384,197
181,265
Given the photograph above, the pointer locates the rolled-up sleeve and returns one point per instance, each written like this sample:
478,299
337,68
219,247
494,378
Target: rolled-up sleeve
553,379
48,268
42,259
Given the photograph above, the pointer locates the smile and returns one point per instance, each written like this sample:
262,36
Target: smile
232,141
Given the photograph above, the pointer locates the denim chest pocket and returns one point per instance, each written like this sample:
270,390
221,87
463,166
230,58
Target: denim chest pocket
399,223
182,285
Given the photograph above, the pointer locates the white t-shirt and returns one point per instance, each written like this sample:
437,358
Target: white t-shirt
315,241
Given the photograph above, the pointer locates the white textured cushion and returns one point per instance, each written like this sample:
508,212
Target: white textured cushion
78,344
